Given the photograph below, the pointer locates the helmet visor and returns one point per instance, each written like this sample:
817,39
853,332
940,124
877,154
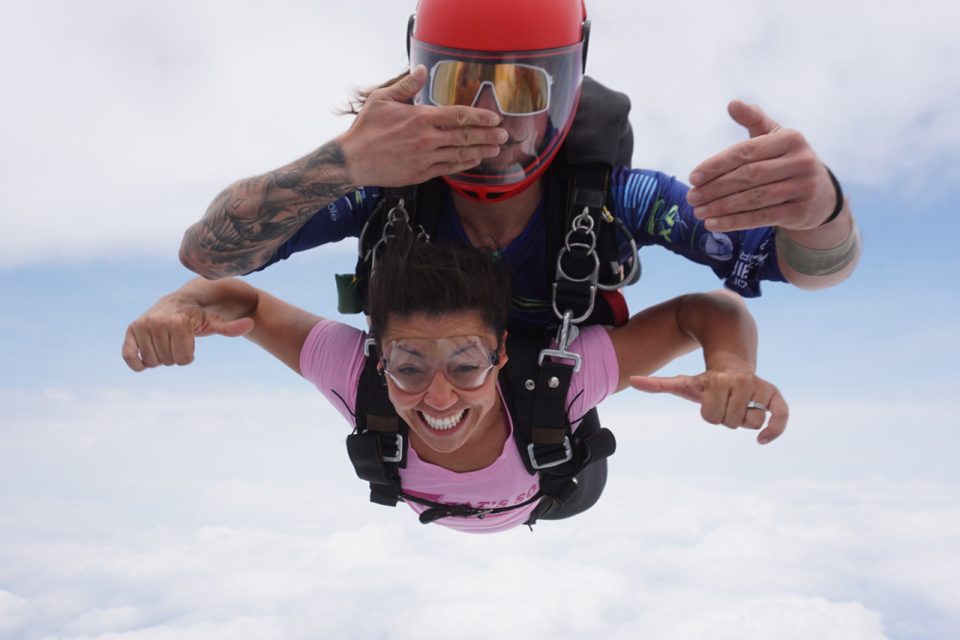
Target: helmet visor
536,92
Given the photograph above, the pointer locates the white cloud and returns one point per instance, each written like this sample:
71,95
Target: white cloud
235,514
125,120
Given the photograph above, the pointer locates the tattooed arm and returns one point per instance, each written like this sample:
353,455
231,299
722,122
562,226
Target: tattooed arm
250,219
391,143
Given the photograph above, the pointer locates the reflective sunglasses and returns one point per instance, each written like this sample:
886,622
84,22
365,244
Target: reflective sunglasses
519,89
412,363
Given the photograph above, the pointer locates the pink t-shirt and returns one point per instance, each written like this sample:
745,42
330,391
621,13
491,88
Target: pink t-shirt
332,359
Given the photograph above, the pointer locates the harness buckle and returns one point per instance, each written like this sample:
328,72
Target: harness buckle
398,445
536,464
568,333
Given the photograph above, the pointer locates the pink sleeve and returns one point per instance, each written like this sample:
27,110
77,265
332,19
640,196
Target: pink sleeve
332,359
599,372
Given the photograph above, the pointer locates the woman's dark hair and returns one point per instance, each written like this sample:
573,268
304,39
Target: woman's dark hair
414,276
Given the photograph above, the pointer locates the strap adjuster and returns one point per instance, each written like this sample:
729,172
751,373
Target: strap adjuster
398,445
567,456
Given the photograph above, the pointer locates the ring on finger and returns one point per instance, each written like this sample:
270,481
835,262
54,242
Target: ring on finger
753,404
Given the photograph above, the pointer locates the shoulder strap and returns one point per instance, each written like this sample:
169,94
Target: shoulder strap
536,395
585,262
428,201
378,445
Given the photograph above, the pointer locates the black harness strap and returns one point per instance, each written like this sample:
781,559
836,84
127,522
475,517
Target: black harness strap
378,445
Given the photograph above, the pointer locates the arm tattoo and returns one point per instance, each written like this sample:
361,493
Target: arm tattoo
249,220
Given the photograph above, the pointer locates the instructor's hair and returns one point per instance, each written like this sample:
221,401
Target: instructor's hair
414,276
358,97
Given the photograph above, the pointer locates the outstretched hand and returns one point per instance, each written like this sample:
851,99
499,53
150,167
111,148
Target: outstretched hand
393,143
726,398
165,334
772,179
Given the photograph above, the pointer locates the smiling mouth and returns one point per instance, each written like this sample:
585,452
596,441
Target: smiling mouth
443,424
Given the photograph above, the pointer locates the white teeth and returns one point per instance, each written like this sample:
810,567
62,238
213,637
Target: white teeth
442,424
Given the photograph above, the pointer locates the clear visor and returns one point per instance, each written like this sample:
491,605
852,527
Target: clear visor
536,92
412,363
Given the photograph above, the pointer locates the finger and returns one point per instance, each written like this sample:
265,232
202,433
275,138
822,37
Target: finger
463,116
740,154
182,345
752,117
742,178
757,197
460,155
755,418
130,352
736,411
148,354
714,403
766,217
406,87
450,168
687,387
779,415
473,136
161,343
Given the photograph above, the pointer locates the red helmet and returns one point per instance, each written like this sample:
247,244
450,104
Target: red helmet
521,58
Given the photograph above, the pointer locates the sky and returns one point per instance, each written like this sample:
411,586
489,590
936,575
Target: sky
216,500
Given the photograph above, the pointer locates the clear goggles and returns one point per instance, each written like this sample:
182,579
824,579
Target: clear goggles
519,89
412,363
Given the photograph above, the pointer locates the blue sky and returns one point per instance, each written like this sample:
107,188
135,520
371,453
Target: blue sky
216,501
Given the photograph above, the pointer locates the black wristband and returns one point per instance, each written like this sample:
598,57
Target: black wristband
836,186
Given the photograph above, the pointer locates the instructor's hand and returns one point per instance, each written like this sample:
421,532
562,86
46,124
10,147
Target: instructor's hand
164,335
393,143
732,398
772,179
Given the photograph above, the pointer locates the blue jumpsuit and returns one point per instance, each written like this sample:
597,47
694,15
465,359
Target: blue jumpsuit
652,205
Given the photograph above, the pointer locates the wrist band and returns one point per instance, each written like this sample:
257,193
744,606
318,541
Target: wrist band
818,262
836,186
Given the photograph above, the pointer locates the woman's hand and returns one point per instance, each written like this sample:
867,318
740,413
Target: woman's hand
164,335
732,398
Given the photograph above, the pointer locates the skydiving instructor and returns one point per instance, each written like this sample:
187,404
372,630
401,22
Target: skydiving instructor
491,97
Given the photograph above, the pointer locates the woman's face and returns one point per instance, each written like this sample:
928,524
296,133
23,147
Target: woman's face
444,417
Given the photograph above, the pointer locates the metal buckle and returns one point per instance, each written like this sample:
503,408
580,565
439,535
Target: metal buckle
564,355
399,456
567,455
585,314
567,334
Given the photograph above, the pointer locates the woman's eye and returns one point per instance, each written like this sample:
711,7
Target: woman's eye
409,371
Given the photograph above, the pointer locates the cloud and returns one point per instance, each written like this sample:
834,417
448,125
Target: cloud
234,513
125,120
871,86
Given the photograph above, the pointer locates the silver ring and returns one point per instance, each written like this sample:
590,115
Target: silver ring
753,404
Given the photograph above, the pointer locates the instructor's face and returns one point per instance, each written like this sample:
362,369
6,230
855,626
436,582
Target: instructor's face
526,136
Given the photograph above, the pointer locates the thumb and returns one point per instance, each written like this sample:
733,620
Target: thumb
408,86
752,117
687,387
234,328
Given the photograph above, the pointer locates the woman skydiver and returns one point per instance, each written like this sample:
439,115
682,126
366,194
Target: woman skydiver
438,317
